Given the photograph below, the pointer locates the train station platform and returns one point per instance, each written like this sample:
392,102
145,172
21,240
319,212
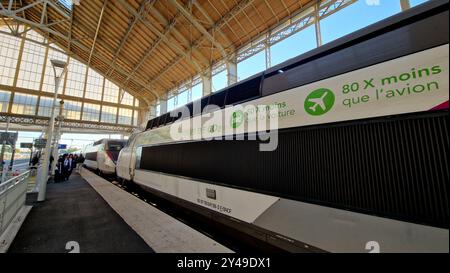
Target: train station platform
90,214
75,212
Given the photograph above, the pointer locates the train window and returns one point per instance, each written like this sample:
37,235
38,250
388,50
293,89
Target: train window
244,91
115,145
196,107
157,121
218,99
167,119
190,108
130,140
138,158
98,142
164,119
153,123
172,117
184,112
203,103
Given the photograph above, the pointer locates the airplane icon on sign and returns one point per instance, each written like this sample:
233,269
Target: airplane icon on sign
318,102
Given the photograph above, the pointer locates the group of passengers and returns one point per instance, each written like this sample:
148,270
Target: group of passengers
65,165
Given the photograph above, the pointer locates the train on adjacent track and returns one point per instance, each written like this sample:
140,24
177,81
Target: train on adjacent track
361,159
101,156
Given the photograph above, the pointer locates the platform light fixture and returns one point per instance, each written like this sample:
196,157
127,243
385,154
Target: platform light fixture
59,69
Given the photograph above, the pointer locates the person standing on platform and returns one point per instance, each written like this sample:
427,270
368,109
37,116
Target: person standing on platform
75,160
80,162
34,164
67,164
35,161
73,164
59,169
51,161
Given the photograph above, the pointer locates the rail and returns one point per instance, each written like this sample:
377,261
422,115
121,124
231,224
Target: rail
12,198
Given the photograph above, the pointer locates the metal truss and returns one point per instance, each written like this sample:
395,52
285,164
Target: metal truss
294,26
329,7
17,13
218,67
217,26
168,29
160,34
199,26
66,124
308,16
271,37
278,36
185,86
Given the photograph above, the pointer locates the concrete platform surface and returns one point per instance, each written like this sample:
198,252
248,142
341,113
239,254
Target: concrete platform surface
162,232
76,218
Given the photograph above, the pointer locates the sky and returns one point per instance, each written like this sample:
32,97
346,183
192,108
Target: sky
354,17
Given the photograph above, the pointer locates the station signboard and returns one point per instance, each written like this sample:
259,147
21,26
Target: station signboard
40,143
9,138
62,146
26,145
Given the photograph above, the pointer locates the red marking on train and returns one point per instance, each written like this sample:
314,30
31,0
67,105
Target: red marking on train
441,106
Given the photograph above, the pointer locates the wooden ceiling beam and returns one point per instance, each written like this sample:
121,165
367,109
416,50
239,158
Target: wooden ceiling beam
219,24
160,34
199,27
132,24
96,31
211,22
176,32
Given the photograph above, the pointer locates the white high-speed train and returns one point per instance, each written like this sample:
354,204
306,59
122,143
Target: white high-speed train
361,162
102,155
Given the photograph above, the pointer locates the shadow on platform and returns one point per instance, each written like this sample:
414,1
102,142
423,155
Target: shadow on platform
75,212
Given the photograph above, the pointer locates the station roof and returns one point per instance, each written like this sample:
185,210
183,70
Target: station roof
150,46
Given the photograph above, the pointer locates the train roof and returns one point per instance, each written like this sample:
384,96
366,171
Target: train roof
108,139
255,86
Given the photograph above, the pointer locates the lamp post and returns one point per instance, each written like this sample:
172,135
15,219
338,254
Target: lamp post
59,68
60,119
